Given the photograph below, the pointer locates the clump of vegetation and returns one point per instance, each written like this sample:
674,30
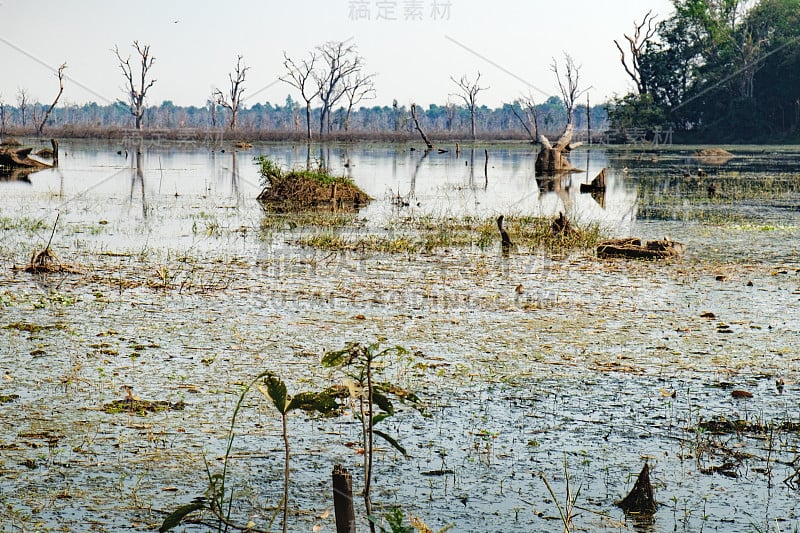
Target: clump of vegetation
297,190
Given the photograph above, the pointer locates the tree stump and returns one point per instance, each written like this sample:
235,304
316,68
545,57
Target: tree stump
598,184
343,500
552,157
506,243
640,500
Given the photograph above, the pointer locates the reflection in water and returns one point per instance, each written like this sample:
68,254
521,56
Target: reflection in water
440,184
137,178
234,176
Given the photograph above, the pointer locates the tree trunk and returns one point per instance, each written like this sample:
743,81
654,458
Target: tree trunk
343,508
472,121
419,129
308,120
552,159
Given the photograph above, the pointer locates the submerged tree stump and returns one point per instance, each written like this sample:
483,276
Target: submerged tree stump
640,500
505,240
552,158
598,184
343,500
561,226
19,158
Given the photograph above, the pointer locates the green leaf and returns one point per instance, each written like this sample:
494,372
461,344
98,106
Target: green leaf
341,357
391,441
382,401
322,402
180,513
380,417
275,389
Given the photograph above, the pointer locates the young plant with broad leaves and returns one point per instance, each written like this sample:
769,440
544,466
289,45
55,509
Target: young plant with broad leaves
218,498
360,363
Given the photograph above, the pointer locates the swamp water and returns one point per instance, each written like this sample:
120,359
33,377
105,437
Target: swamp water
188,290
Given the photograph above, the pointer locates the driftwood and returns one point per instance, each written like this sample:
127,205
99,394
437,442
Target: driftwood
635,248
552,157
20,157
640,500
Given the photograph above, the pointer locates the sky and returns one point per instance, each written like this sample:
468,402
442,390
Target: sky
414,47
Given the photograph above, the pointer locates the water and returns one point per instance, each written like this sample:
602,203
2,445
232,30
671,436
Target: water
182,299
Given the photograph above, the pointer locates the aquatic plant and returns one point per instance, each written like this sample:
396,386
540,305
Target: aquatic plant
218,500
358,362
567,511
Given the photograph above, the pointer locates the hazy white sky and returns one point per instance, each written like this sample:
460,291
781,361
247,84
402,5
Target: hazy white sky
414,46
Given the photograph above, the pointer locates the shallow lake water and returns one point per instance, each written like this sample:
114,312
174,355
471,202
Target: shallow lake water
594,368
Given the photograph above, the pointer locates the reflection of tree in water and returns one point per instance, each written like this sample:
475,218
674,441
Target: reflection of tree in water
137,178
399,200
558,184
234,176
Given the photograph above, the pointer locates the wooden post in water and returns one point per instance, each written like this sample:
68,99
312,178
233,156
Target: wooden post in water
54,144
486,168
343,500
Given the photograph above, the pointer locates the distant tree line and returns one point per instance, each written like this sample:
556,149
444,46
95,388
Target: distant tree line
716,71
332,83
289,118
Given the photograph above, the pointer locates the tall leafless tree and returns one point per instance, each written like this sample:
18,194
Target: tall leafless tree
40,123
22,103
643,34
339,61
527,115
137,89
211,105
568,84
450,111
232,100
357,87
469,92
301,76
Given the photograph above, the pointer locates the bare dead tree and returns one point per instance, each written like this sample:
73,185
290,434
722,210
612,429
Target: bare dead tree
339,61
568,84
22,103
419,129
233,99
527,115
643,33
469,93
450,114
211,105
357,87
137,89
40,123
301,76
